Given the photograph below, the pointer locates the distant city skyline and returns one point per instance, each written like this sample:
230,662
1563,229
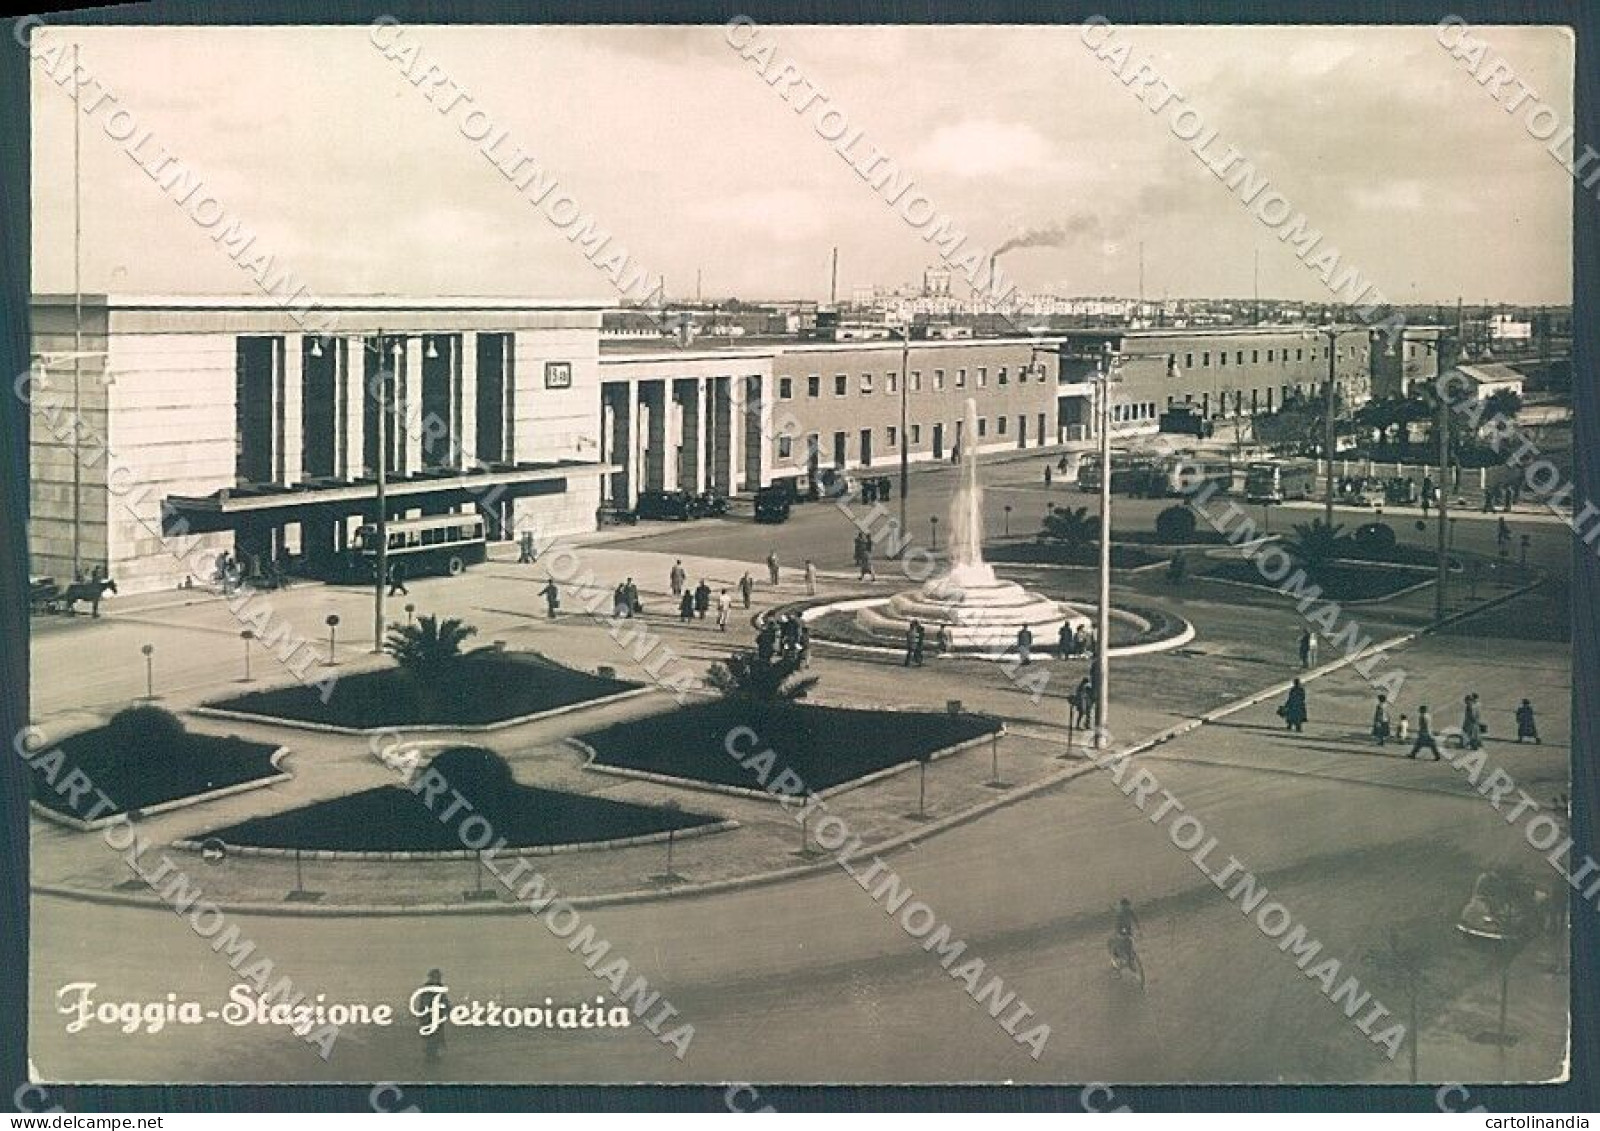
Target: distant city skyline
678,147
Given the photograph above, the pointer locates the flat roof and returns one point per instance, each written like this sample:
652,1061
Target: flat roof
327,302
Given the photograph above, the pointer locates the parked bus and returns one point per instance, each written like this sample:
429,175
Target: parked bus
440,543
1130,474
1273,481
1184,475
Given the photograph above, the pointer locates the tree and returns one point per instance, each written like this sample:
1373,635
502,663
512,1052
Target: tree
1502,402
135,730
427,645
1316,543
745,676
1071,526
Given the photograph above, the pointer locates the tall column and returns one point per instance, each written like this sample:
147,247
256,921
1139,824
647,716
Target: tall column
702,457
355,407
408,411
293,436
757,430
466,437
691,436
621,439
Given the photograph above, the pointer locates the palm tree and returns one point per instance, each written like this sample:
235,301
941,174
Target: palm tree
1317,543
745,676
427,645
1072,527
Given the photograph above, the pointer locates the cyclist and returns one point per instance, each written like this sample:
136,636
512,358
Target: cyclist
1127,921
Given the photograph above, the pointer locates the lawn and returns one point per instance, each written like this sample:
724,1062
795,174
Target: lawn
393,818
1342,581
143,770
825,746
481,687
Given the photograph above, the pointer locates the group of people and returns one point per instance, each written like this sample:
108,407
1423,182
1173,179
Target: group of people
1386,727
787,636
1502,497
696,603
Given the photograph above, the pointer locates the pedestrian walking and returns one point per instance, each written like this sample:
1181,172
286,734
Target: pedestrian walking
678,577
724,603
1424,735
702,599
914,642
1471,723
747,588
811,578
864,558
552,597
1380,720
1527,727
1025,644
943,640
1308,649
1082,700
619,602
802,643
1293,711
631,592
1402,729
1080,641
1064,640
1427,494
525,554
1047,471
1502,535
397,580
772,566
686,607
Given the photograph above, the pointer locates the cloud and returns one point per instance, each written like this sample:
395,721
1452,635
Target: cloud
984,149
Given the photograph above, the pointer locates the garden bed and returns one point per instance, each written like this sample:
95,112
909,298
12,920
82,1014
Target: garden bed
480,688
148,771
1055,553
826,746
394,819
1342,581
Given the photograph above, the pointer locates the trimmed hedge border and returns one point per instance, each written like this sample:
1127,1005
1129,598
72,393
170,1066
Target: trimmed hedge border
276,757
419,728
723,825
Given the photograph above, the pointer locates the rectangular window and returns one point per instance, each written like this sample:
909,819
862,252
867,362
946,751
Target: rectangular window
866,382
1222,357
961,378
1255,356
814,385
983,426
938,380
891,382
785,446
1238,358
1000,376
1269,355
1188,361
983,376
785,388
1300,353
894,436
916,433
841,384
999,425
916,380
1205,360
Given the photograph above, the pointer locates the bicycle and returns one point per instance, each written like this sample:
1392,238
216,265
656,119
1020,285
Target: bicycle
1124,958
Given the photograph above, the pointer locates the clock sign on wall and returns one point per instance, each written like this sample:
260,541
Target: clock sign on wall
558,374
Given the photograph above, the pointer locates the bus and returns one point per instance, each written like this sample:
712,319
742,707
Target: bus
1186,474
439,543
1130,474
1273,481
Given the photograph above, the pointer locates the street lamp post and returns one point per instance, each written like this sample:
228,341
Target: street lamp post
333,635
247,635
933,524
381,568
1008,520
1102,632
1442,427
905,434
149,670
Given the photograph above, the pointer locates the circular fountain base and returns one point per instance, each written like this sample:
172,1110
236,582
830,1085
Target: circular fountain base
978,611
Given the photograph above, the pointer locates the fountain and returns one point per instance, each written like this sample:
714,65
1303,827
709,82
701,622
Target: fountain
981,612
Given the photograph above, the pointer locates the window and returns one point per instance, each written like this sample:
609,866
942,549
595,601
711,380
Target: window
983,426
841,384
1255,356
866,382
916,433
785,446
961,378
1188,361
1000,375
916,380
1205,360
1269,355
938,380
983,376
785,389
1300,353
1238,358
1222,357
814,385
894,436
891,381
999,425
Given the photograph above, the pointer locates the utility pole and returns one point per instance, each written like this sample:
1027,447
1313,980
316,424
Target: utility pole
1102,632
1442,426
380,579
1328,437
833,284
77,326
905,433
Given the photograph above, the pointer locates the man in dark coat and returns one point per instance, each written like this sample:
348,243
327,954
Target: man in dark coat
1294,708
702,599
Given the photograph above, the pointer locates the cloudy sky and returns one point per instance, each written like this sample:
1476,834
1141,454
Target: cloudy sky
679,148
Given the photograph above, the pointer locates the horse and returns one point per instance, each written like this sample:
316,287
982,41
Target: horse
91,591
